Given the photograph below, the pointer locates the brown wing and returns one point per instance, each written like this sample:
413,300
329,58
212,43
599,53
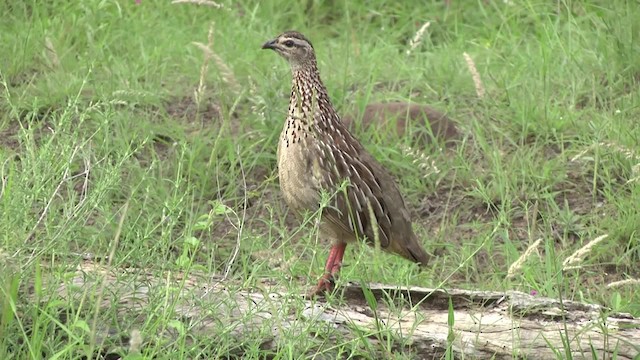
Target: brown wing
371,205
344,160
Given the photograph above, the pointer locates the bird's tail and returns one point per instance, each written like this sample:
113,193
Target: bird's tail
417,252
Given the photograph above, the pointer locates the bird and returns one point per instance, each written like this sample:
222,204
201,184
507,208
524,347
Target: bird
318,156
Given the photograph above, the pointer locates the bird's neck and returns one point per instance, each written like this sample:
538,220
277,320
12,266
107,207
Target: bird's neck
309,103
311,116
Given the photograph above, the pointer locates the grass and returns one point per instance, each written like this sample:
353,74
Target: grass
107,153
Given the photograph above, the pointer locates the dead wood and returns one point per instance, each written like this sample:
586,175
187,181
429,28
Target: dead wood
486,324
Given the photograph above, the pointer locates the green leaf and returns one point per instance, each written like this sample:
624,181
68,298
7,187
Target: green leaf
192,241
451,336
219,208
183,260
176,324
203,222
616,301
134,357
81,324
369,297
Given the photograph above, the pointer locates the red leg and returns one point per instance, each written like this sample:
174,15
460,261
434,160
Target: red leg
334,261
338,254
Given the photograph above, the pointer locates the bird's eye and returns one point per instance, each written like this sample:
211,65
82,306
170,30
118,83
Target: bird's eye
288,43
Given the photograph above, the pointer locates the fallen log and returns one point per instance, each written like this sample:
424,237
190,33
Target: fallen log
420,322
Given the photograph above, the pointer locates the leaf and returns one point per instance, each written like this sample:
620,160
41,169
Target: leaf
134,357
219,208
203,222
451,336
183,260
176,324
616,301
192,241
82,325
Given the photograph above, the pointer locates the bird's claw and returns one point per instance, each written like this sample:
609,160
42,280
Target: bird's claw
325,286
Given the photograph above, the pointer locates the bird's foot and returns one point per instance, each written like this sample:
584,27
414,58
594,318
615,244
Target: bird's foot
325,285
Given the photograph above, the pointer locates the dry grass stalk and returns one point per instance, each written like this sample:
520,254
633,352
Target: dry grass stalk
581,154
45,211
135,341
517,265
573,261
629,155
635,170
205,65
225,71
258,103
417,38
471,65
626,152
103,282
199,2
423,161
227,74
622,283
52,54
4,178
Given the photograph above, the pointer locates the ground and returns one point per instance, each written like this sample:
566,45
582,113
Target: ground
123,142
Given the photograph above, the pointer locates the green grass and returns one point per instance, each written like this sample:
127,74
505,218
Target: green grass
103,150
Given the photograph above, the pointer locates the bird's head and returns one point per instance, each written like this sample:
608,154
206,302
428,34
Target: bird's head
294,47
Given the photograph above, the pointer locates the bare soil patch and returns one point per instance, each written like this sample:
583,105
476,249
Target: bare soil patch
186,110
8,136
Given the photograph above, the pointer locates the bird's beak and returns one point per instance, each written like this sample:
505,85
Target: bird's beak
271,44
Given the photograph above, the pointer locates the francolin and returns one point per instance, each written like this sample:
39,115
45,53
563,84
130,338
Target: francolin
317,154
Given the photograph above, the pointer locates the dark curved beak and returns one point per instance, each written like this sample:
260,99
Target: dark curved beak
271,44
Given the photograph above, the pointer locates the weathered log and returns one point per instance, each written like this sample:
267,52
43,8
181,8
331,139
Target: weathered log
486,324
